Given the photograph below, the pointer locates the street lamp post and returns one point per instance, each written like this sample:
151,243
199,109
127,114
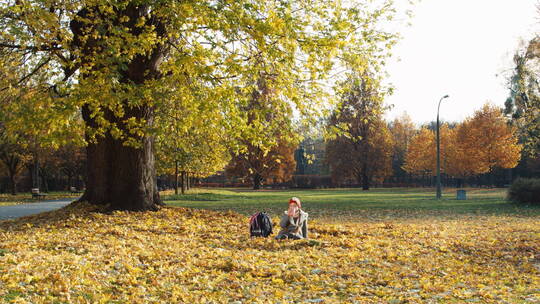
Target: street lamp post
439,152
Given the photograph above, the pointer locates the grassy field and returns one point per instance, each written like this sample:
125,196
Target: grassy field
22,198
355,204
382,246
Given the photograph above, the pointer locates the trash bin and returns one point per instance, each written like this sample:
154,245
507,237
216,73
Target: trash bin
461,195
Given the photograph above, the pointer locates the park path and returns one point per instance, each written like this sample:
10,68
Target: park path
15,211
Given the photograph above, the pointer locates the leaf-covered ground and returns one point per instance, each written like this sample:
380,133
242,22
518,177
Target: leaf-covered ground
178,255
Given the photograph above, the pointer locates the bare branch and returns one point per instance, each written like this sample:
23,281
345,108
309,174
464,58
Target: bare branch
31,73
42,48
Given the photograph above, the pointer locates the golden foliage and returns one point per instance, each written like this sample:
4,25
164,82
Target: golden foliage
488,141
478,145
54,56
402,129
178,255
421,157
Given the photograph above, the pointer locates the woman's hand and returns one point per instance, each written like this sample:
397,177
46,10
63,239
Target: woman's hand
293,211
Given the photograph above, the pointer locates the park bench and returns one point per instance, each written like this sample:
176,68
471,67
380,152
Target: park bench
37,194
74,190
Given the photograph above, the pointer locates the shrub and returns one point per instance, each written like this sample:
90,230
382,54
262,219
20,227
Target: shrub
525,191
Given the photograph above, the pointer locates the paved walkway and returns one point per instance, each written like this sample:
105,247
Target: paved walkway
14,211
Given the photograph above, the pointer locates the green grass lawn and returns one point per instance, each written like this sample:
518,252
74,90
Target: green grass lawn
355,204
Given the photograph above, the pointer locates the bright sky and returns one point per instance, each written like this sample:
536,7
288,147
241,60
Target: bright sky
457,47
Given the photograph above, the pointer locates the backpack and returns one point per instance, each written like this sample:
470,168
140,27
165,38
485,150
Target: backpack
260,225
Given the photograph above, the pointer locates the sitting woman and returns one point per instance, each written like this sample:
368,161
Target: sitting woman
294,222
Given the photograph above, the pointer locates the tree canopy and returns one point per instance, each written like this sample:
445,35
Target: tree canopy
361,146
116,63
523,104
478,145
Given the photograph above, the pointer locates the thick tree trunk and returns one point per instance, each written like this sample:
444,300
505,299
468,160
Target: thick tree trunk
119,175
97,171
122,177
134,174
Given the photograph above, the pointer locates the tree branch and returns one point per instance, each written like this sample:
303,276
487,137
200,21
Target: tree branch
31,73
41,48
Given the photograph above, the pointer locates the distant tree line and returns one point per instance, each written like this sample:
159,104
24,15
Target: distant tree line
26,164
362,149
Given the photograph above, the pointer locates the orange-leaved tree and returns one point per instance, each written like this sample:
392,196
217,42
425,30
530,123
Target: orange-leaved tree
477,146
486,141
421,157
362,146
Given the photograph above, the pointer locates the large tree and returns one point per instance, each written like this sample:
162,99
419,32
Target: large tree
487,141
362,147
523,104
111,64
269,139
